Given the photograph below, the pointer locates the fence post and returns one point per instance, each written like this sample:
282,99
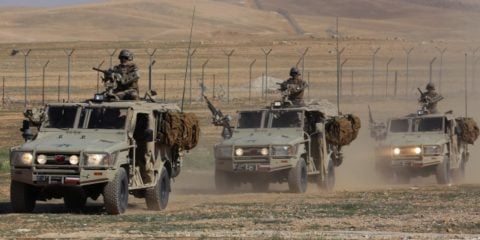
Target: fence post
43,82
25,55
164,87
341,75
110,54
407,52
58,89
69,55
213,89
373,68
351,88
3,91
250,81
395,89
308,87
441,51
151,62
266,53
386,77
430,74
228,54
98,74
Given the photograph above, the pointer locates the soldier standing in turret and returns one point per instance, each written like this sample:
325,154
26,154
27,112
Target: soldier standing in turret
294,87
430,98
127,84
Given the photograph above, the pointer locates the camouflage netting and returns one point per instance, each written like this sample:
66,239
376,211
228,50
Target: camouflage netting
468,130
342,130
180,129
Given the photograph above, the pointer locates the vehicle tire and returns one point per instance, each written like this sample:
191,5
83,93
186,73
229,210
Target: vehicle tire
443,172
115,193
260,185
297,177
401,177
75,200
223,181
329,182
157,197
22,197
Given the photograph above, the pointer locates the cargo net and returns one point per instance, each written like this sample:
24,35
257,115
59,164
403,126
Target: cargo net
468,130
180,129
342,130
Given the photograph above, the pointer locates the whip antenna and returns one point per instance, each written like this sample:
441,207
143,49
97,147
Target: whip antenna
188,56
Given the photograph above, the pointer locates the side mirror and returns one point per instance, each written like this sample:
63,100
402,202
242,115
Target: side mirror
148,135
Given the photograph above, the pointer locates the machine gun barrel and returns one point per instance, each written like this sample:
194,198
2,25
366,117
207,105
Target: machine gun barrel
100,70
218,119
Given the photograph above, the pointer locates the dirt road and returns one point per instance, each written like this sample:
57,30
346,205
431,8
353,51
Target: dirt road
195,210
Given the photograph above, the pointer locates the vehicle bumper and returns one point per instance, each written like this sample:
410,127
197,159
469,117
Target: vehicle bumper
255,165
82,178
419,162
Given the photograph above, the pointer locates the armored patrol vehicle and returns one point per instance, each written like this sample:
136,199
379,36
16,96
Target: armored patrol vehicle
280,143
423,144
101,148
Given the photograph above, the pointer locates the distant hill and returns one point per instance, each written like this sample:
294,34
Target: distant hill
218,20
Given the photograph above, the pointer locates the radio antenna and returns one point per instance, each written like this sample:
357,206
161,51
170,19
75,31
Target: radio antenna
188,57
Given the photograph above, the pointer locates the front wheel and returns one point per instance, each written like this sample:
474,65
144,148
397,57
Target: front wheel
157,197
297,177
115,193
22,197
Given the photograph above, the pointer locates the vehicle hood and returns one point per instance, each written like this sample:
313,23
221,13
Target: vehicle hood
415,139
265,137
60,142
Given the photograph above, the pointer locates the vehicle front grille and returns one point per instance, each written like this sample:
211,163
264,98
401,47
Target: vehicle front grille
57,161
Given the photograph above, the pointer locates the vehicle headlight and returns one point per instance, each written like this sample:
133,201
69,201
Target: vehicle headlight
264,151
21,158
417,150
283,150
98,159
432,150
223,152
73,159
396,151
41,159
239,152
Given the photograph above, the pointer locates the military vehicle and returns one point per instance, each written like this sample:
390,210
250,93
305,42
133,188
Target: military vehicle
423,144
280,143
111,148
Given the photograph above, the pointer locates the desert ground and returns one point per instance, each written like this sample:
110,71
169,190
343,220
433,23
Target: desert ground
361,206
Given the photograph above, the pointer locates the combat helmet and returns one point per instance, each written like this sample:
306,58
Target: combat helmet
294,72
125,53
430,86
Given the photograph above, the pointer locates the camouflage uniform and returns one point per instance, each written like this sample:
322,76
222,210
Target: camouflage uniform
430,98
127,86
294,87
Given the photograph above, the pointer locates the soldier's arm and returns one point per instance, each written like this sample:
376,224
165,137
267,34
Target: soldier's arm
131,77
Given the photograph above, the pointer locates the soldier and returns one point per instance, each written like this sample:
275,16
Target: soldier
127,85
294,87
430,98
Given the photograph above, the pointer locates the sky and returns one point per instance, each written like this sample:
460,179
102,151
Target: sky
42,3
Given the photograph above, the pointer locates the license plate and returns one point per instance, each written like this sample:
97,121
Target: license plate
246,167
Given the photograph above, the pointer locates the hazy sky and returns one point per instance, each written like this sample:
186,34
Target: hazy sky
42,3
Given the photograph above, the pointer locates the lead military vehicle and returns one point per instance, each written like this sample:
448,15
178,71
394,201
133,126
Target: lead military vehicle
282,143
110,148
423,144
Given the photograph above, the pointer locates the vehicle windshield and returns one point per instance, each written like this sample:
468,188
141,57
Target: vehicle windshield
61,117
399,125
429,124
251,119
106,118
286,119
